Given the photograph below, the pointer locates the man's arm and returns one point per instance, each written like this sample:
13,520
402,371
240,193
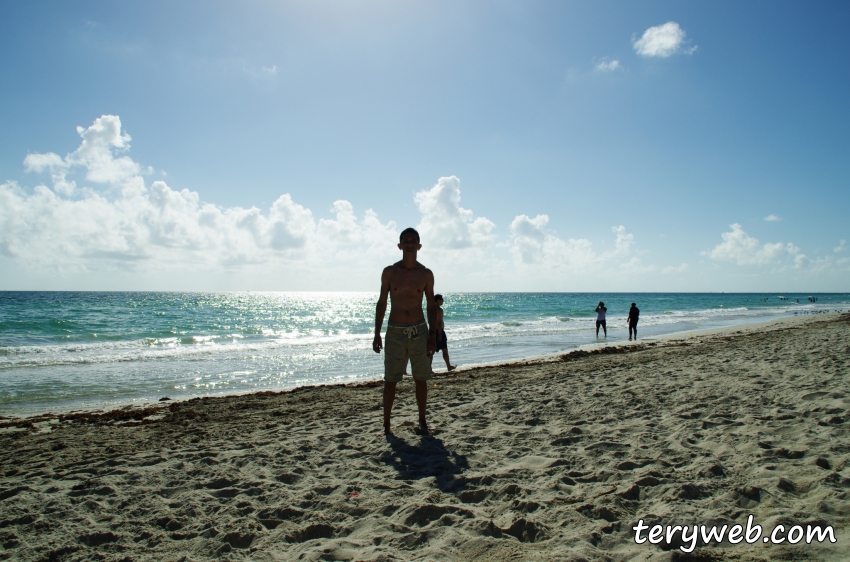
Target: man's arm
431,310
381,310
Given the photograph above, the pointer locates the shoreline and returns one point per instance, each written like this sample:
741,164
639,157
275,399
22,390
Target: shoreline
110,388
153,409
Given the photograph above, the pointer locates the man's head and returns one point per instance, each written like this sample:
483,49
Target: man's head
407,231
438,300
408,241
633,304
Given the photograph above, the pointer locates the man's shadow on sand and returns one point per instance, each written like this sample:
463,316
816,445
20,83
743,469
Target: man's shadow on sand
429,458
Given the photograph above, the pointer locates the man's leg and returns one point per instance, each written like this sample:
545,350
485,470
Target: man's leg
605,328
421,402
449,366
389,397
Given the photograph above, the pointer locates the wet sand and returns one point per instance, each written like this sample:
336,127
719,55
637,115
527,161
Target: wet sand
531,461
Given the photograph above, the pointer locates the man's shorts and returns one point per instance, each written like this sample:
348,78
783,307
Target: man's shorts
442,340
403,343
600,323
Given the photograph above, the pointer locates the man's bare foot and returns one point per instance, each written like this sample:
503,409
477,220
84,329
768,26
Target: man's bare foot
422,430
451,367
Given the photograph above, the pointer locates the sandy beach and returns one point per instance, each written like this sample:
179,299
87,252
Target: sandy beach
552,460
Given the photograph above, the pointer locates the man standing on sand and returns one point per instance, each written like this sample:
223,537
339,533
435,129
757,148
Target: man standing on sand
406,282
634,313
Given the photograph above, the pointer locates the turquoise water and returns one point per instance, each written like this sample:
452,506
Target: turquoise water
74,350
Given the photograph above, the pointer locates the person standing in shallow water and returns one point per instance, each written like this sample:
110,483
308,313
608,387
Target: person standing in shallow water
634,313
407,339
600,318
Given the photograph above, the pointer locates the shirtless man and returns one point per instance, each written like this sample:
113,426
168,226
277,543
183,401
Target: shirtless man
406,282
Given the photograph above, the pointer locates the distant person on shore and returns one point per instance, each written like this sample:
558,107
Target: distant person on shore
442,341
600,318
406,282
634,313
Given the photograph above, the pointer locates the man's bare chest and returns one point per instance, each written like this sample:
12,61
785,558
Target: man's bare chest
409,282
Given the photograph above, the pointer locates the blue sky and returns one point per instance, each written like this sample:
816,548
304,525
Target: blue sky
557,146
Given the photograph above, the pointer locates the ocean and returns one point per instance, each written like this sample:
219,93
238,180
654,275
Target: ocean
62,351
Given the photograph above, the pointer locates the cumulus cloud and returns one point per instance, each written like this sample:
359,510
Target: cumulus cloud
800,261
101,211
118,218
840,248
662,41
623,243
608,65
101,141
740,247
534,244
445,224
772,218
125,222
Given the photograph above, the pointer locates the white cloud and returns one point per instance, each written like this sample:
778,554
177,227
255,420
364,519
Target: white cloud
662,41
130,223
529,237
445,224
840,248
534,245
675,269
800,261
96,154
99,212
41,162
740,247
608,65
772,218
624,242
